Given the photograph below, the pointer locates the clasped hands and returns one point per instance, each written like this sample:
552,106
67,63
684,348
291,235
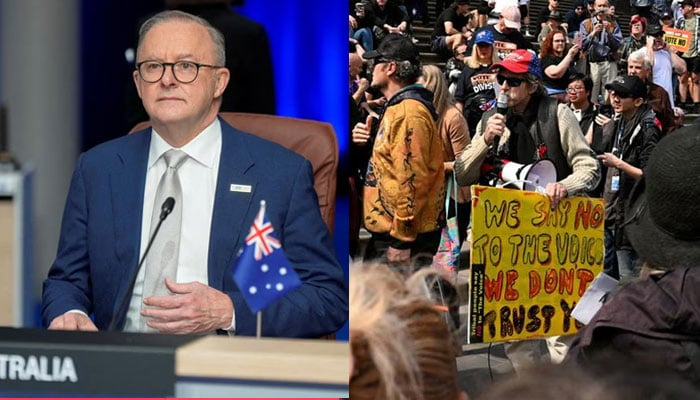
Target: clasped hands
193,308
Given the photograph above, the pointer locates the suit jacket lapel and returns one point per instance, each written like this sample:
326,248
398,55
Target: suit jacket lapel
127,185
230,207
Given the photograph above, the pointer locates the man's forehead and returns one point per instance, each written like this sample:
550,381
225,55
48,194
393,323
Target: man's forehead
175,29
180,39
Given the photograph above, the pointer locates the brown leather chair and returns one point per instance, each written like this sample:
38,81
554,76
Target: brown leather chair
313,140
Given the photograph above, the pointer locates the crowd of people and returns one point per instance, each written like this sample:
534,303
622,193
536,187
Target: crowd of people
606,109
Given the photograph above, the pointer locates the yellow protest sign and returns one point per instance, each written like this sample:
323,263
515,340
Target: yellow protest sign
677,39
530,265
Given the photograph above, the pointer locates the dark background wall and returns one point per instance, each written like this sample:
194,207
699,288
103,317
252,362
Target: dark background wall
81,45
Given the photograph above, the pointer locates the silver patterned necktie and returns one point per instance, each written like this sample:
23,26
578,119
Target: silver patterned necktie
161,261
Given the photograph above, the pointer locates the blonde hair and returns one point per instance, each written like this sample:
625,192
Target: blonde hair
434,80
401,346
473,59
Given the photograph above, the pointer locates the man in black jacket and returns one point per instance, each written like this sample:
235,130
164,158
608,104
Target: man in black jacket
637,130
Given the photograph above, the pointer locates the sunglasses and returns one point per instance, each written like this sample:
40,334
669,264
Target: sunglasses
512,82
622,95
377,61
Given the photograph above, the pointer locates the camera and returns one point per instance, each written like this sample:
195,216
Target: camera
606,109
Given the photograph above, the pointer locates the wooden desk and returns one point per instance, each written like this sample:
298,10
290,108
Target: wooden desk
247,367
116,364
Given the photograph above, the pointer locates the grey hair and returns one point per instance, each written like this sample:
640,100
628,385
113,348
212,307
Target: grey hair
640,56
408,72
173,15
536,82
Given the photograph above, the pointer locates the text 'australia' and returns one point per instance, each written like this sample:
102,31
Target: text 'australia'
37,368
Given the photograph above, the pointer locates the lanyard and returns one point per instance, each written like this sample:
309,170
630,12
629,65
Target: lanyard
617,144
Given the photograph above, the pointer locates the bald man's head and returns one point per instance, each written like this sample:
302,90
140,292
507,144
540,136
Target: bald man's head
355,62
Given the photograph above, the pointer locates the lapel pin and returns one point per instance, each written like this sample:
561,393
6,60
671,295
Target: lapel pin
240,188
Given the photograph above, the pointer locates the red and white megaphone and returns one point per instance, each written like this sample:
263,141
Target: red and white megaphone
532,177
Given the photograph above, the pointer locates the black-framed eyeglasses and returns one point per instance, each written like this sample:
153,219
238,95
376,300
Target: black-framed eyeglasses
183,71
511,81
575,89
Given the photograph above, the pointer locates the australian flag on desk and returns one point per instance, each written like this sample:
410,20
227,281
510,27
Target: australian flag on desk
262,271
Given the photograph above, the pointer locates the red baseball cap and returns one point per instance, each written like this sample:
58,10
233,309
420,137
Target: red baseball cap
520,62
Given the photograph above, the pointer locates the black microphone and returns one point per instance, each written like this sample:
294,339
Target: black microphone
501,108
165,210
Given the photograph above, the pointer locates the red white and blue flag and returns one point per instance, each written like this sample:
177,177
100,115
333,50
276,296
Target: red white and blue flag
262,271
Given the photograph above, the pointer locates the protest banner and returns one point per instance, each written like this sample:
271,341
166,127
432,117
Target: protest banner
677,39
504,48
530,264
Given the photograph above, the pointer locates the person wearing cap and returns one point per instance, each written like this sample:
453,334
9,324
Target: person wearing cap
664,61
601,39
404,190
450,29
475,92
637,131
656,318
666,18
691,23
635,41
506,33
534,127
638,64
574,18
520,77
543,16
555,22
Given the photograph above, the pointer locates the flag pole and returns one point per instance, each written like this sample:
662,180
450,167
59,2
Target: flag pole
258,329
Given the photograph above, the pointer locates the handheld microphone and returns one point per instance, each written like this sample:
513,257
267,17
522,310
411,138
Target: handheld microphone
502,103
165,209
501,108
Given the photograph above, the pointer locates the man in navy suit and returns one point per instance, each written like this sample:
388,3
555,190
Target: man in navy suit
226,173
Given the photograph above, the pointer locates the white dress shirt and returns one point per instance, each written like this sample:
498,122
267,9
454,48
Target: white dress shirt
198,175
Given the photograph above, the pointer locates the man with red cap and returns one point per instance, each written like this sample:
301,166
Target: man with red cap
534,127
557,137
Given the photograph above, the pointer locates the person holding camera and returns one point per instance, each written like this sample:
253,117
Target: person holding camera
601,39
637,130
361,21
